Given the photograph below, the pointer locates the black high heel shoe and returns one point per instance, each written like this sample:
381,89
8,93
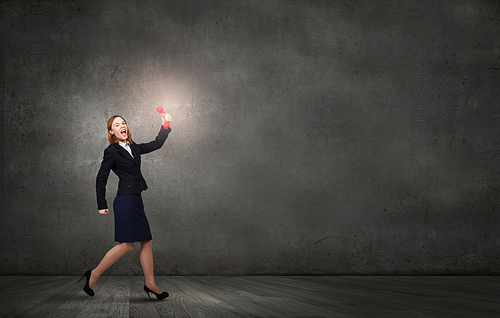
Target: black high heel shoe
87,288
161,296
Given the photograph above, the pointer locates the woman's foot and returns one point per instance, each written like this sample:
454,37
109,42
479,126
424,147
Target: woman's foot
87,288
92,279
159,296
153,288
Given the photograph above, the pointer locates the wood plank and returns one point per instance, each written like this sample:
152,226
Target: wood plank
121,302
402,294
35,296
202,304
176,305
220,287
255,296
100,304
77,301
262,292
140,305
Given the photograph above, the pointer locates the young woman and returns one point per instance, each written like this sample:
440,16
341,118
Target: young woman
123,156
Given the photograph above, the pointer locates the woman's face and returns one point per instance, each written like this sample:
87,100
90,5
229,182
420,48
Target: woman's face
119,129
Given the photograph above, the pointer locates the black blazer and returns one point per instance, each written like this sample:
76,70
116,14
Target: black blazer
127,169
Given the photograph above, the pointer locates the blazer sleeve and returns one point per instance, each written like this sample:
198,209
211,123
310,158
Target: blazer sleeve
157,143
102,178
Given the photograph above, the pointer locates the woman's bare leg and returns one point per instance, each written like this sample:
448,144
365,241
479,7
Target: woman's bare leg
147,265
109,259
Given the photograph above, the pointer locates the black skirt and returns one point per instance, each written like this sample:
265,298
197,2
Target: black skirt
131,224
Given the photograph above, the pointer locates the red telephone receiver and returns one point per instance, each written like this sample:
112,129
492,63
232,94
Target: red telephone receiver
161,111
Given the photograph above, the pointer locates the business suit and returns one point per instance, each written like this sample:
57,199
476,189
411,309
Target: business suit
127,169
131,224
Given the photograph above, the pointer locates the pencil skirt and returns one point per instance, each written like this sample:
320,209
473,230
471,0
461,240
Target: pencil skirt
131,224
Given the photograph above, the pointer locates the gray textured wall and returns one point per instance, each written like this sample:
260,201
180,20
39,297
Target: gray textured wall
309,137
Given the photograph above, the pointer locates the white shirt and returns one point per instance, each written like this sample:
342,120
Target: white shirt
127,147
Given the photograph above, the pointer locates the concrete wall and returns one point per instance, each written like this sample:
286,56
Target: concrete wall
309,137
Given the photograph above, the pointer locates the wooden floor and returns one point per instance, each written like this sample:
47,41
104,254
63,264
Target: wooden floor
255,296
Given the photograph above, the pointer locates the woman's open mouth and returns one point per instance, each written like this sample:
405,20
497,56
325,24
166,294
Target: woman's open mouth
123,132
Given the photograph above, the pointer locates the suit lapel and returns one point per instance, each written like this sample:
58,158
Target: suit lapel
125,154
137,154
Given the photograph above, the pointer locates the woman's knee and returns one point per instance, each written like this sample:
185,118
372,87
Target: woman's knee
146,243
128,247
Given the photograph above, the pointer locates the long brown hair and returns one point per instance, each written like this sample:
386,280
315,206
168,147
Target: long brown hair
112,138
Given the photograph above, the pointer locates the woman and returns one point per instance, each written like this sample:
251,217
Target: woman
123,156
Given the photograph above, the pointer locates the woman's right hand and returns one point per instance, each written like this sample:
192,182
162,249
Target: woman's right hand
166,118
105,211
